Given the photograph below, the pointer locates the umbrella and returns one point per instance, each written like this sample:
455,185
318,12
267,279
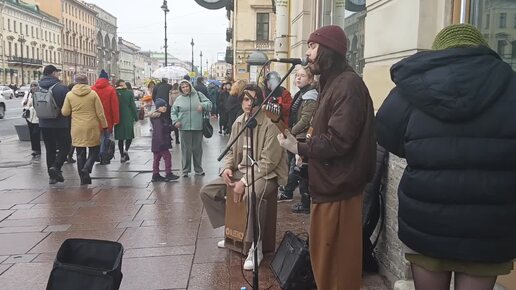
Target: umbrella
215,82
170,72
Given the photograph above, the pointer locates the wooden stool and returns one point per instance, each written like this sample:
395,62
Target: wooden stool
236,218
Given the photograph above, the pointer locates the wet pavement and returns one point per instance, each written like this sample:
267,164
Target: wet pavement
168,240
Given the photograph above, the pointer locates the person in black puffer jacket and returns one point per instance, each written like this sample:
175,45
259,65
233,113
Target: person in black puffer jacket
452,116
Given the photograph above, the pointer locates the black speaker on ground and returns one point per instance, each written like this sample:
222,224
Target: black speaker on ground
84,264
291,263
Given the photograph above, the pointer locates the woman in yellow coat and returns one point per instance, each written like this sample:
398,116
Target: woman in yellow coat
85,107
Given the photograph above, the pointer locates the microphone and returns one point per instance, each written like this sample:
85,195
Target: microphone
302,61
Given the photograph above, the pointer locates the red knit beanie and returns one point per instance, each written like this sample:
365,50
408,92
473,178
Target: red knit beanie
331,36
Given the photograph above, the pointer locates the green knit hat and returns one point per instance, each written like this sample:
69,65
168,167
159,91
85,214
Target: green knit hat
458,35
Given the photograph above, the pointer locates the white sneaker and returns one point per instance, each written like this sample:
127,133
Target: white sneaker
221,244
249,261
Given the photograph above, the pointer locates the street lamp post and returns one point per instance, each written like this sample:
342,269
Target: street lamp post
201,62
22,40
192,44
164,7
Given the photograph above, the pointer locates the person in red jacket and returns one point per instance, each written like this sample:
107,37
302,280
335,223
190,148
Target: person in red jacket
109,99
281,96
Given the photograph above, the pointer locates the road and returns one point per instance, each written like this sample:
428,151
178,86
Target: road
12,117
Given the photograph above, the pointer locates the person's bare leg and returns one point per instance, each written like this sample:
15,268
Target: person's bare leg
429,280
469,282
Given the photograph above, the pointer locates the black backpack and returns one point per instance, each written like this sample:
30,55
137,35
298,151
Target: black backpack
373,211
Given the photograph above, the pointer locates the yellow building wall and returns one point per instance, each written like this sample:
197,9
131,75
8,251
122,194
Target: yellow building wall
52,7
395,29
244,37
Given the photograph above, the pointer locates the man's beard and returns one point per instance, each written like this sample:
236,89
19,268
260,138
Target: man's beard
314,68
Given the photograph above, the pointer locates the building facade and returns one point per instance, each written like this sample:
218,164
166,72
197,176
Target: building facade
79,40
29,40
106,41
127,60
252,28
220,71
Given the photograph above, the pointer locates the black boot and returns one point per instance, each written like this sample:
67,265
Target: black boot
304,205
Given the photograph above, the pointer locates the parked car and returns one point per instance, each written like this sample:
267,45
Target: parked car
22,92
6,92
2,106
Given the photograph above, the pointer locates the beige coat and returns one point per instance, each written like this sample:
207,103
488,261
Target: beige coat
271,157
87,113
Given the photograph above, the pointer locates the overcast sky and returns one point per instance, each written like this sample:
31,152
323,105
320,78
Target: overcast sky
142,23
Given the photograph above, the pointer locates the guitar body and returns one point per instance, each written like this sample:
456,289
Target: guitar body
273,112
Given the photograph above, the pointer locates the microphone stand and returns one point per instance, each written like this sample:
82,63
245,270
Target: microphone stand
251,124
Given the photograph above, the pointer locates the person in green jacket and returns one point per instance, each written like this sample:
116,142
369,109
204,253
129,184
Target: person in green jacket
187,116
124,131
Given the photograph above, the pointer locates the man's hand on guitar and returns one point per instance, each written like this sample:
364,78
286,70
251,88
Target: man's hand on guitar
288,141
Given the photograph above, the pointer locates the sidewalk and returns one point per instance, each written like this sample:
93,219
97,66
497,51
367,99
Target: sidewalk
168,240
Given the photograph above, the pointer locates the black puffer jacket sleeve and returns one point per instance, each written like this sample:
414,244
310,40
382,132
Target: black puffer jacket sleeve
391,123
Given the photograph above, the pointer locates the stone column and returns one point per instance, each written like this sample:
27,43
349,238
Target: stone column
281,39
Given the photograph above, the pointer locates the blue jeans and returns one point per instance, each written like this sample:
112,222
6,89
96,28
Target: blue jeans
105,135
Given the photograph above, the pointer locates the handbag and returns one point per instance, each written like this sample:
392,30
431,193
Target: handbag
26,114
291,263
207,128
141,114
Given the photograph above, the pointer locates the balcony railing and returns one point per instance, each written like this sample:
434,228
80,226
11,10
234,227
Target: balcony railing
25,61
264,44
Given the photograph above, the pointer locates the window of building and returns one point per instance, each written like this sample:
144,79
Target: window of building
9,25
26,29
32,31
514,26
503,20
15,49
14,24
500,47
21,28
498,36
10,48
262,26
33,55
488,19
37,33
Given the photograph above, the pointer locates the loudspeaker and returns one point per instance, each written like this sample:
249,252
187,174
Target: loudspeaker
291,263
